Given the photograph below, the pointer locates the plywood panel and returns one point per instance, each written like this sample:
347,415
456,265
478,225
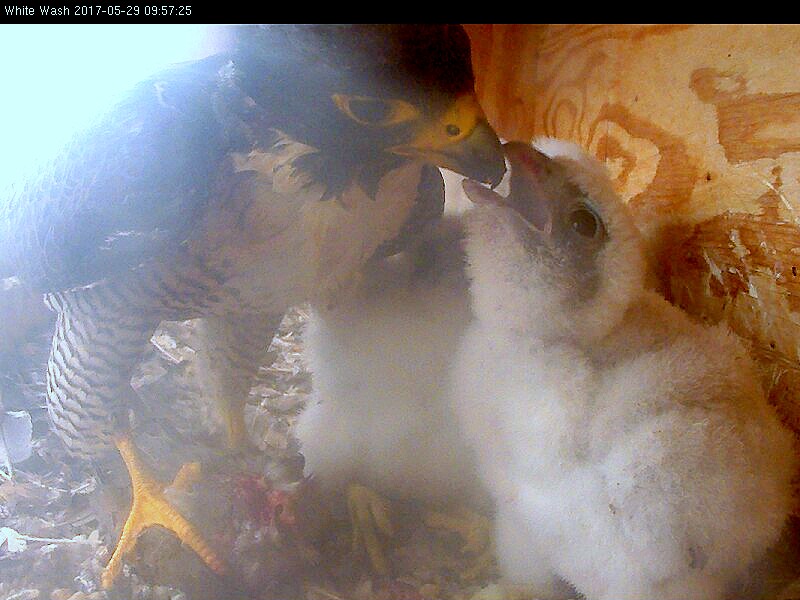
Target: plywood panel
700,126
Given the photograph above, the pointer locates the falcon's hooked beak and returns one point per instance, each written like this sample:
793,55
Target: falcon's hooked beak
461,140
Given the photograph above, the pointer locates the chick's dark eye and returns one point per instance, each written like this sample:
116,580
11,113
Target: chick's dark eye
370,110
453,130
585,222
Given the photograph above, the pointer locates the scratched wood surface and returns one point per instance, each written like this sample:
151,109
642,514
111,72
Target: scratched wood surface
700,127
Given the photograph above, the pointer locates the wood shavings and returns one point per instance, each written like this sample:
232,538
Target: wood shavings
170,349
55,499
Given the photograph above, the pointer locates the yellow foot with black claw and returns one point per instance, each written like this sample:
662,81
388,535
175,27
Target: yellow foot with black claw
149,508
476,532
369,517
235,426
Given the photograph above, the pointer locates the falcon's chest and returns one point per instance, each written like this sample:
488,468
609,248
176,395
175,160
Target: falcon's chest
276,243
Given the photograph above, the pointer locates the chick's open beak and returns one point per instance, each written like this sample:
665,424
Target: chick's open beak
526,197
461,140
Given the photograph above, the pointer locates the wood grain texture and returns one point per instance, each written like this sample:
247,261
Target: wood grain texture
700,127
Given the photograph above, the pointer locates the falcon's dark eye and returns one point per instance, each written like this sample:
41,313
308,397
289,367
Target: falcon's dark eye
585,222
453,130
370,110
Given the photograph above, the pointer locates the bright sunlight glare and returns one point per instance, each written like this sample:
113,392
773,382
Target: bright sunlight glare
57,78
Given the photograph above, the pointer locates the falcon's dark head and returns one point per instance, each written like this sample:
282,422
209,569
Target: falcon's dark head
369,97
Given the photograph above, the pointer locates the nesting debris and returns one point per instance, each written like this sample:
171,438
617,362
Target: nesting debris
60,518
16,432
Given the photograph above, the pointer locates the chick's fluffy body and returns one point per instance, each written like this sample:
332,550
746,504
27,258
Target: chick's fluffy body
379,415
630,450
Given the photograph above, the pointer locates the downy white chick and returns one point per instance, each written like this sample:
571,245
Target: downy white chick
630,450
379,416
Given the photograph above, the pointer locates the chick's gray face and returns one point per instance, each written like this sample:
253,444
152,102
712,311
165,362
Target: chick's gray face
557,223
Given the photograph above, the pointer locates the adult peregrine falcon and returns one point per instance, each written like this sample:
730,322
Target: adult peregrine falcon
229,189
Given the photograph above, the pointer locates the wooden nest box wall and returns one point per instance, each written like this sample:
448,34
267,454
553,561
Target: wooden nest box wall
700,127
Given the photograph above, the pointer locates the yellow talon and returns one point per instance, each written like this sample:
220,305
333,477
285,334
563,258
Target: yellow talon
188,475
476,532
369,515
235,426
473,528
150,507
